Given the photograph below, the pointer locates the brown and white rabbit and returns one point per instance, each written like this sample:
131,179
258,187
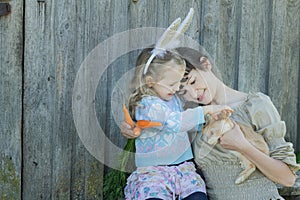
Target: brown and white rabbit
214,129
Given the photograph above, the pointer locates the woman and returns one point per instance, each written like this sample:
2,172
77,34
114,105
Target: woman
219,167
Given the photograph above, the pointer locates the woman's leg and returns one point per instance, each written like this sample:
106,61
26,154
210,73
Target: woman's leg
154,199
196,196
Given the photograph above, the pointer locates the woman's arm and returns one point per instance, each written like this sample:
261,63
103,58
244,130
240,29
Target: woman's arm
275,170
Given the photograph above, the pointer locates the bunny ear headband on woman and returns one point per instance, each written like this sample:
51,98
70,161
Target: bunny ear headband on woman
170,38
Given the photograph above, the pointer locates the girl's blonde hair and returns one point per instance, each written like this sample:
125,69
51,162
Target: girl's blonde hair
156,70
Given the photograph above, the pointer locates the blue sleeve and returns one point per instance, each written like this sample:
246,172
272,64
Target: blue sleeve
173,121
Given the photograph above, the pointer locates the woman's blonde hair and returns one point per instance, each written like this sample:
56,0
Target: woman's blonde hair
156,70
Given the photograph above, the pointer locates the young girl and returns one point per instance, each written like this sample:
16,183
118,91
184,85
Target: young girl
163,154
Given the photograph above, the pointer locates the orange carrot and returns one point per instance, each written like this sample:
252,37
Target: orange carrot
140,124
127,117
147,124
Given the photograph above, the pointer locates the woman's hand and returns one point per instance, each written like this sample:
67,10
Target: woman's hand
234,139
275,170
127,131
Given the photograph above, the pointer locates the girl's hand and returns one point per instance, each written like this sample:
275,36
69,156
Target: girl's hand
234,139
211,109
127,131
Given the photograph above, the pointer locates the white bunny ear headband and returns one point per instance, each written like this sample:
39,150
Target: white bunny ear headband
170,38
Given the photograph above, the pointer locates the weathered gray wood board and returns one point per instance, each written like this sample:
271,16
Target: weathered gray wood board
255,45
11,50
56,164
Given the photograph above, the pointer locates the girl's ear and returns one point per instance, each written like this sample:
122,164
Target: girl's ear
205,63
149,80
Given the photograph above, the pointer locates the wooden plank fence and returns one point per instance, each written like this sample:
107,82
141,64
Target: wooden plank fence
255,44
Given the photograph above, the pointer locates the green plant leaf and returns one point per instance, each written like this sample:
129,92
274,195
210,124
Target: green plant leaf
298,157
115,180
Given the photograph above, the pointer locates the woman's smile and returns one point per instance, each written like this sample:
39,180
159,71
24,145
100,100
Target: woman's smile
201,96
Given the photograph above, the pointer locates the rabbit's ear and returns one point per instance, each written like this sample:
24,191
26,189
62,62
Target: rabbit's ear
225,113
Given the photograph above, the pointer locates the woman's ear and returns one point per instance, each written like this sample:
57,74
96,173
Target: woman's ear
205,63
149,80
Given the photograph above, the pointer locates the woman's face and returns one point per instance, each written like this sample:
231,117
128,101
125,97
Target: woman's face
196,87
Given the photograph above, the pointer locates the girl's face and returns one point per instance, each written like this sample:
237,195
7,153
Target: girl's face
197,88
169,84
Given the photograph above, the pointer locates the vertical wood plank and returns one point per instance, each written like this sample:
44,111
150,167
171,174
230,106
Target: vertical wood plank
297,142
291,67
277,53
278,79
11,50
43,87
163,14
141,13
253,43
83,44
100,23
228,47
220,22
62,58
181,9
114,73
210,16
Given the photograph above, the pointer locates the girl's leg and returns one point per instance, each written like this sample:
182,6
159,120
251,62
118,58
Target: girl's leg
196,196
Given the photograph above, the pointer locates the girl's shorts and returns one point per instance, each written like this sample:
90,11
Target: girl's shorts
164,182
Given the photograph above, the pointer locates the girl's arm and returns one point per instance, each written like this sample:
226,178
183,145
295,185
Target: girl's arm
174,121
186,118
275,170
